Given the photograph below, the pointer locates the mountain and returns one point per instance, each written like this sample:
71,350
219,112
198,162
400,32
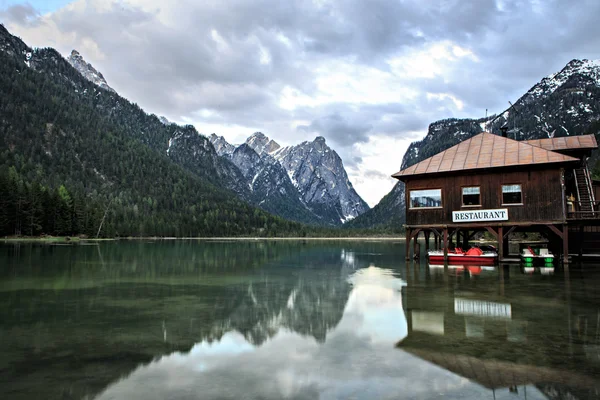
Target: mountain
318,173
221,146
65,138
86,69
561,104
306,182
262,144
271,188
387,215
195,153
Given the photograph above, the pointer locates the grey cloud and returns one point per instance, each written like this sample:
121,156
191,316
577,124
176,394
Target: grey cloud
343,129
347,124
182,70
22,14
371,173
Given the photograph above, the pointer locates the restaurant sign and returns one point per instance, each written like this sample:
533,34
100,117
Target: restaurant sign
480,215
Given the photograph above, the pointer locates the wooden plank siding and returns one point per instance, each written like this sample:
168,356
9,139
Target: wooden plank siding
540,188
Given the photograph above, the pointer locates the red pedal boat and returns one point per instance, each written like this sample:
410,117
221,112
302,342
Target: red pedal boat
472,256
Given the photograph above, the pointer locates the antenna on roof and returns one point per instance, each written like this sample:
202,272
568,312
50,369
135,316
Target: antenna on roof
514,130
504,126
504,129
486,121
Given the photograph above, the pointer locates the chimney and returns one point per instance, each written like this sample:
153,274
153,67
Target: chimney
504,130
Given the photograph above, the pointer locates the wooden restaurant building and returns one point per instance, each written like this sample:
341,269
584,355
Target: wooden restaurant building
498,185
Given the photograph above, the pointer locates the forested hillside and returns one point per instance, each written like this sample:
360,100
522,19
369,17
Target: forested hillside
73,149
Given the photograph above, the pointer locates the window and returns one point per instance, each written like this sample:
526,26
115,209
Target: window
426,198
471,196
511,194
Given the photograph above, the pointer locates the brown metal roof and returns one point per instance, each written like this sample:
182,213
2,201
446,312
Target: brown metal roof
566,143
484,151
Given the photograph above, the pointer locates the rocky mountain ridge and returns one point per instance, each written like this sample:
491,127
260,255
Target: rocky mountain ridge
562,104
87,70
310,172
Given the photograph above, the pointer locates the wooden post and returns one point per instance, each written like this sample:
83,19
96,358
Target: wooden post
408,237
416,252
580,241
565,239
505,250
500,243
445,245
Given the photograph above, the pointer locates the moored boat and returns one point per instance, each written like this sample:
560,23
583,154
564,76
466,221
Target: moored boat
472,256
529,255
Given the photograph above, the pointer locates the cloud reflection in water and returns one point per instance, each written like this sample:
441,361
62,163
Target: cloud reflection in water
357,359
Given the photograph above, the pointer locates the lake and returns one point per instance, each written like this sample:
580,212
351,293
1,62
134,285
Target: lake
256,319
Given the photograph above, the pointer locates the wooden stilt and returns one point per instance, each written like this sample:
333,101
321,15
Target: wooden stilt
565,238
500,244
445,244
416,252
580,241
505,241
408,238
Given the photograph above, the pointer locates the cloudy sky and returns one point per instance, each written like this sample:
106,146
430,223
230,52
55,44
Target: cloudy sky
368,75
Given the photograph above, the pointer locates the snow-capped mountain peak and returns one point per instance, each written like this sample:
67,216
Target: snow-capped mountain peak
87,70
310,172
222,146
261,143
318,173
549,84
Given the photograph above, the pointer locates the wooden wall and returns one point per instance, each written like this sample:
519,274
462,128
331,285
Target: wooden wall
541,192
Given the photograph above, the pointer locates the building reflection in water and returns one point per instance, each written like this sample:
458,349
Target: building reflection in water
503,339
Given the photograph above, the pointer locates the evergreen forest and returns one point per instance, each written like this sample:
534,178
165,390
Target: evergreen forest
71,152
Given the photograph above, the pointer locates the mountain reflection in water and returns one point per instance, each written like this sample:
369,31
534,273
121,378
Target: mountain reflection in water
297,320
290,364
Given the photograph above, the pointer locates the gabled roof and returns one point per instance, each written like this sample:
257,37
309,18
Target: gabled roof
484,151
566,143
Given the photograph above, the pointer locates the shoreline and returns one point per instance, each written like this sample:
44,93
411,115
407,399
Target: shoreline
66,239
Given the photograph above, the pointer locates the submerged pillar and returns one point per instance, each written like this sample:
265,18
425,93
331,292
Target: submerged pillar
500,243
565,239
445,245
416,252
408,233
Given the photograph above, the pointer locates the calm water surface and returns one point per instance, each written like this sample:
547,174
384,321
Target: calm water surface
289,320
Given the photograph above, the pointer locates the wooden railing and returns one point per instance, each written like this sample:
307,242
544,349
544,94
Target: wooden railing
593,214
